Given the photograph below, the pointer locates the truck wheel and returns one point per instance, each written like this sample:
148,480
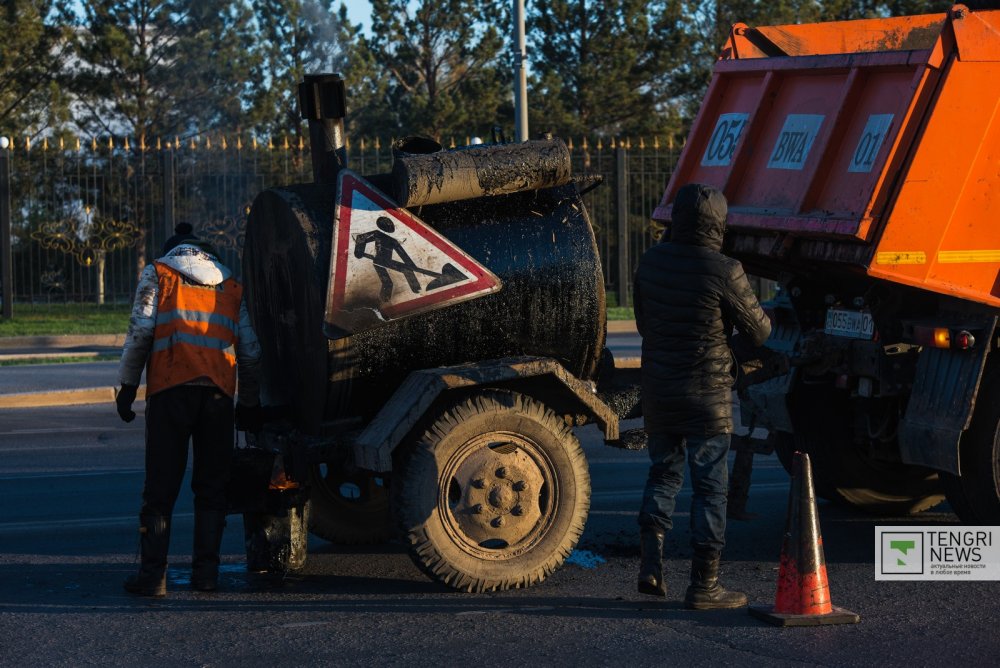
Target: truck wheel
844,472
348,509
974,495
494,494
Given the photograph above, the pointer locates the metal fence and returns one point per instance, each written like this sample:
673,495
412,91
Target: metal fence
85,216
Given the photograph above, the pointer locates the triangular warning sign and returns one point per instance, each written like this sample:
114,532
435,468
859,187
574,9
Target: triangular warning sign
387,264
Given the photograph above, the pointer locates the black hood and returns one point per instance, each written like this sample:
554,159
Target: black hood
698,217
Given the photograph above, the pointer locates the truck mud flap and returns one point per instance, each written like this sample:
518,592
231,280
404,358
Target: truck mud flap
941,403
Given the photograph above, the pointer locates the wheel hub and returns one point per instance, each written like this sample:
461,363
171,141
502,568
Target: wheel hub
500,494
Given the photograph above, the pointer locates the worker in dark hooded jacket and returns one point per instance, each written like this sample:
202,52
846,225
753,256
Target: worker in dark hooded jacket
190,329
688,297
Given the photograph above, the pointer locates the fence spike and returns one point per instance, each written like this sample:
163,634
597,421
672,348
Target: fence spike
127,147
270,143
378,144
253,141
642,143
656,142
225,145
362,144
193,144
93,143
302,143
77,143
452,144
239,142
569,144
111,142
159,144
670,142
61,144
612,145
583,144
347,143
600,146
286,143
142,142
208,142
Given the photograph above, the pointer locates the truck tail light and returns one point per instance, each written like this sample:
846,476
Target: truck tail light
942,337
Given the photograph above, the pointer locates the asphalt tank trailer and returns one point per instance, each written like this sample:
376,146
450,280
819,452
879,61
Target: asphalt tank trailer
430,336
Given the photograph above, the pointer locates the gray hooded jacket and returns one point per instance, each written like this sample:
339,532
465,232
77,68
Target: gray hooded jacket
688,297
202,268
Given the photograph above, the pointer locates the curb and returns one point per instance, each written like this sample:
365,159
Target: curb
63,341
86,395
622,327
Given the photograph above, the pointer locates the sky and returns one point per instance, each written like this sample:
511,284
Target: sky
360,11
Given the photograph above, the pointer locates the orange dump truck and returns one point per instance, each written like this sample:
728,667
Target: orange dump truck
861,161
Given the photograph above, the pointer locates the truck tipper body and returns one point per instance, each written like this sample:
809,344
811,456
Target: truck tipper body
861,162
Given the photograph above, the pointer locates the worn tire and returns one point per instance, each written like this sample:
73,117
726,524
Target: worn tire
348,509
843,472
493,495
975,495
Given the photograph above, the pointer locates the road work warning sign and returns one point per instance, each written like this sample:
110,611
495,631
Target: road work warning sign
387,264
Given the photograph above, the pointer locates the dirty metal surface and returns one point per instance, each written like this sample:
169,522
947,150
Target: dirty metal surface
479,171
398,416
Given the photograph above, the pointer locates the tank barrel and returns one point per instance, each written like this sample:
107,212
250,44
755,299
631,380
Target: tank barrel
322,102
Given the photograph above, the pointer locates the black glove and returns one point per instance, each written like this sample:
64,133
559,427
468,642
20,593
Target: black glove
124,399
249,418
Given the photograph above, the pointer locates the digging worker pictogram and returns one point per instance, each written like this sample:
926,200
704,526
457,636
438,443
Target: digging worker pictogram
688,296
191,330
386,247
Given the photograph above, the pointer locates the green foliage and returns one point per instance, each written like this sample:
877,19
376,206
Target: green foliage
442,64
298,37
34,50
605,67
59,319
162,67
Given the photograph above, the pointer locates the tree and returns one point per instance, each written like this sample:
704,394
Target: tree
604,67
36,45
298,37
155,68
442,65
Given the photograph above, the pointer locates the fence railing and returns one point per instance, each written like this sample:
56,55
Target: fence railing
84,218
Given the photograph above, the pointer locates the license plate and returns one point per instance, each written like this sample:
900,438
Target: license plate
852,324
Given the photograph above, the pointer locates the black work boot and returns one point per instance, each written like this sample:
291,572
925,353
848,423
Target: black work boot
154,541
651,564
208,526
705,592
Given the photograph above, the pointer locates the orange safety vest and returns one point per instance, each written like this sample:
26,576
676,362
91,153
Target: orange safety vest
197,329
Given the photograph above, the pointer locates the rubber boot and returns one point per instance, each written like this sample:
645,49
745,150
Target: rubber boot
705,592
651,563
208,526
154,541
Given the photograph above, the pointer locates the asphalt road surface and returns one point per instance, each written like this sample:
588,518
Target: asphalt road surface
70,480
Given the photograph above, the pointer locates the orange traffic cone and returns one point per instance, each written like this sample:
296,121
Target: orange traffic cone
803,597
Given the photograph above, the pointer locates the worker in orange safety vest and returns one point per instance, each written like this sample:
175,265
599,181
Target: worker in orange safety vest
191,331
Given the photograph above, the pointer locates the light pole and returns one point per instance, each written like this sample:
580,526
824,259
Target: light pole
520,75
6,257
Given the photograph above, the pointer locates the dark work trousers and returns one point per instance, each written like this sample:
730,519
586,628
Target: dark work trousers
709,479
203,415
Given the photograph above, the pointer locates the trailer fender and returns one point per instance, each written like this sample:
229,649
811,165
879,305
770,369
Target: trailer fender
397,418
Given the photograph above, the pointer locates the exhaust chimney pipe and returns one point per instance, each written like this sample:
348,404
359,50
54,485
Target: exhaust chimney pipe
322,102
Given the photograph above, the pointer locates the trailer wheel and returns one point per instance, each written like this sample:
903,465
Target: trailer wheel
348,509
975,495
493,495
844,472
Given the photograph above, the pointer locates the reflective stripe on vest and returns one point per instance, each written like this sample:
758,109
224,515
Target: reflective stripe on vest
196,333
